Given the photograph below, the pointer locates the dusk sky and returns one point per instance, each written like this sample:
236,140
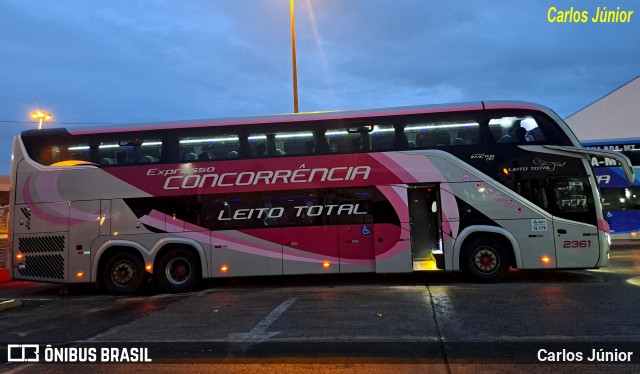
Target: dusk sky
128,61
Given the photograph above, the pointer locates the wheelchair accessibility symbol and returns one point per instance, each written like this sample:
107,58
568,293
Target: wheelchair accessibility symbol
366,230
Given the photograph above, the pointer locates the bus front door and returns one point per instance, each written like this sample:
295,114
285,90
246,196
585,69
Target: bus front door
425,220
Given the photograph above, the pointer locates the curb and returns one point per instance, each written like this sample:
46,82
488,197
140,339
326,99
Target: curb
10,304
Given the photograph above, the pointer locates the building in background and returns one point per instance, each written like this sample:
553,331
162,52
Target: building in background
613,122
614,116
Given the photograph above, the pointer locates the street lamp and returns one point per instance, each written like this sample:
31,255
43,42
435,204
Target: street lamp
41,115
293,58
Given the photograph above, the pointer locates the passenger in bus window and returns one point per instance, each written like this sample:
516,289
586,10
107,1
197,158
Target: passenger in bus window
518,135
204,156
535,135
261,149
190,157
356,144
127,156
308,147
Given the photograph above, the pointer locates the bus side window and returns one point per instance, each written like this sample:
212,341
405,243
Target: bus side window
430,138
517,129
383,138
343,142
260,149
50,155
150,151
127,156
400,139
321,144
205,148
295,143
107,153
468,134
78,152
272,149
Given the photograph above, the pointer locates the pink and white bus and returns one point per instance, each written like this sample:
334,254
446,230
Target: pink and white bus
474,187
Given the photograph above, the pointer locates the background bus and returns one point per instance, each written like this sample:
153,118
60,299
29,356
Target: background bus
621,199
474,187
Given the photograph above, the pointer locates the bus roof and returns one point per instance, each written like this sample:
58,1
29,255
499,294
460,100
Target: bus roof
311,116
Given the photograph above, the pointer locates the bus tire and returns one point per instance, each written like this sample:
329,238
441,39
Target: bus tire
485,260
178,270
123,273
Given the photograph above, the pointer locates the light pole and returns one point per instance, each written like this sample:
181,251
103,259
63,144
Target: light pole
293,58
41,115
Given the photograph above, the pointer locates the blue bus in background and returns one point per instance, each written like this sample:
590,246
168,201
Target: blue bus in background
621,199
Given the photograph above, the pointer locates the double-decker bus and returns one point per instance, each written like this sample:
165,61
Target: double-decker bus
621,198
474,187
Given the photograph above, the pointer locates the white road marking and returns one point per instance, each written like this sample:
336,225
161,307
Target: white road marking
258,333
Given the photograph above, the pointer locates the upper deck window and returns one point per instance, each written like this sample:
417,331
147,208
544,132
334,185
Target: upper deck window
524,127
447,130
518,130
130,152
442,130
63,152
206,148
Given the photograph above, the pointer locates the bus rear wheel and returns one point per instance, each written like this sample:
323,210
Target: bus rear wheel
123,273
485,260
178,270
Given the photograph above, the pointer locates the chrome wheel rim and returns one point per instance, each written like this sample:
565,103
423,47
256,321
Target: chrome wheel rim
485,260
178,270
123,273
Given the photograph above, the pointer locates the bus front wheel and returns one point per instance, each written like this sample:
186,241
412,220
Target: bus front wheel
178,270
123,273
485,260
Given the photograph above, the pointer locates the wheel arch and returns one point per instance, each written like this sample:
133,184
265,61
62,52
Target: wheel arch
166,244
487,231
107,249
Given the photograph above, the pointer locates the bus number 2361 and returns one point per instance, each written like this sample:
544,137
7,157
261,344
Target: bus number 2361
576,244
